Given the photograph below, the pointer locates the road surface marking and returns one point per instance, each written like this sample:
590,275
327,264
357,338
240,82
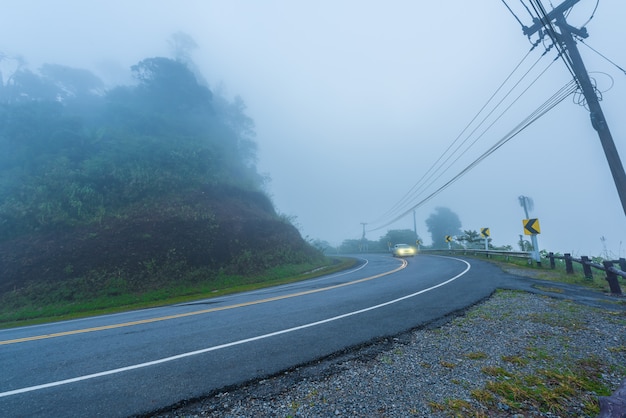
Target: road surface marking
201,312
234,343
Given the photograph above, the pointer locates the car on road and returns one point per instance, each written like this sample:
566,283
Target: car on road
403,250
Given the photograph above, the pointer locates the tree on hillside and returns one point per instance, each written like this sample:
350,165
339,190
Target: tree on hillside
170,85
26,86
441,223
471,238
64,163
182,45
72,81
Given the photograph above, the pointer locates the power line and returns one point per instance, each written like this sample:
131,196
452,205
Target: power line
593,13
597,52
558,97
543,24
490,125
439,168
437,165
513,13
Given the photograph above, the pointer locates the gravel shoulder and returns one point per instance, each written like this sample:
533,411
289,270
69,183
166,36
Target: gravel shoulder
444,369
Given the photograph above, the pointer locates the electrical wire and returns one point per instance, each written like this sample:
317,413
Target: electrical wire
489,126
513,13
597,52
443,164
527,9
592,14
433,175
556,98
427,175
484,132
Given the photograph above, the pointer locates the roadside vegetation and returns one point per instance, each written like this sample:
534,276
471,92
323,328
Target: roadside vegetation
547,376
556,383
47,302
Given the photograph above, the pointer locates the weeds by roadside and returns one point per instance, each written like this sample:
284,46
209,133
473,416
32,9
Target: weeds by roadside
91,295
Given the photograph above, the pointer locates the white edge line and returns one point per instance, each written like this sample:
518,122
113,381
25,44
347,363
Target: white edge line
231,344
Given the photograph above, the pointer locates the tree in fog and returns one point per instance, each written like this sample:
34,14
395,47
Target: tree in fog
71,153
398,236
441,223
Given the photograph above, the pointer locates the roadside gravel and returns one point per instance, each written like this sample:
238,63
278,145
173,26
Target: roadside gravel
433,371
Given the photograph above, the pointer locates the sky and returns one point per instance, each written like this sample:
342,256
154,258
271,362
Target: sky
354,101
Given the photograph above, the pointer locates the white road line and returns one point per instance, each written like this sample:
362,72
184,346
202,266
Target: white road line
231,344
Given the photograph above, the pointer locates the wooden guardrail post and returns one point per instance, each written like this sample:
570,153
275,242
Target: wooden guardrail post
611,277
551,257
569,267
584,260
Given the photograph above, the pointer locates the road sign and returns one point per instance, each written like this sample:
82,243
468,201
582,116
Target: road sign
484,232
531,226
448,238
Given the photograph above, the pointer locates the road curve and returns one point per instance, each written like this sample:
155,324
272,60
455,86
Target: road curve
141,361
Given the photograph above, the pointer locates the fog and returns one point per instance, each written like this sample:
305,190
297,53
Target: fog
354,101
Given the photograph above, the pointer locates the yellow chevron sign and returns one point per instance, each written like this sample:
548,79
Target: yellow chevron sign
531,226
448,238
484,232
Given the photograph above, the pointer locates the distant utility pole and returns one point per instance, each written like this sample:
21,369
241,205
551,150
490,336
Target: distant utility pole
363,240
527,203
566,39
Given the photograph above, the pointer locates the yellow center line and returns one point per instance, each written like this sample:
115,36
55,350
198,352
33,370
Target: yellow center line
201,312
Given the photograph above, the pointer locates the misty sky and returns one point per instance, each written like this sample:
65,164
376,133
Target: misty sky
354,101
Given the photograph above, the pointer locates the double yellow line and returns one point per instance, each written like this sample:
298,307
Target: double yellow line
201,312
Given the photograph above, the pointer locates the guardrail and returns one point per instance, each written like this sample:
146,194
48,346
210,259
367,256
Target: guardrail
607,266
487,253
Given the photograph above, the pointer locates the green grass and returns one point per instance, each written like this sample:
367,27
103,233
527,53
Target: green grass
97,295
549,390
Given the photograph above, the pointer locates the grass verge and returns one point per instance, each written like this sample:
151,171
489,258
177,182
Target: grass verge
545,372
45,302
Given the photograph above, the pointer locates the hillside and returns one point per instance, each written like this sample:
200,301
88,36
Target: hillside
132,188
202,233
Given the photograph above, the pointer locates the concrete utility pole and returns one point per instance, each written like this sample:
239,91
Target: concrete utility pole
364,246
527,203
567,42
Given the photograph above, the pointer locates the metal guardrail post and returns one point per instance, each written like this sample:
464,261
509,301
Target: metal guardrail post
584,260
569,267
611,277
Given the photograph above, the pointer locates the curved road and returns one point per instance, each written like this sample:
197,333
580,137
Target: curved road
141,361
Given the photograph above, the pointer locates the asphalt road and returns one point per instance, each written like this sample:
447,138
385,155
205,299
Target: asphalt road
141,361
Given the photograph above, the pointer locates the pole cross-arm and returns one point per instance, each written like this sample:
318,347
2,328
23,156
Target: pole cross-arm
558,11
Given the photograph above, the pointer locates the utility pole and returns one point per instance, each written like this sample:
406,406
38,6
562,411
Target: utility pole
566,39
363,241
527,203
